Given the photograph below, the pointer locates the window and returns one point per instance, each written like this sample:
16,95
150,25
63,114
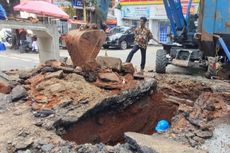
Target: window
163,32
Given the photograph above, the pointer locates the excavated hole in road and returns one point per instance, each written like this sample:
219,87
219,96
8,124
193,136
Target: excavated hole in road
109,126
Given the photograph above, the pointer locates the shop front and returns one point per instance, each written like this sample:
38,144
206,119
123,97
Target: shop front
154,11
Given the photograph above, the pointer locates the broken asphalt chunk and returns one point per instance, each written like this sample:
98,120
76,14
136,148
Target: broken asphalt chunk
58,74
18,93
44,113
109,77
204,134
127,68
109,62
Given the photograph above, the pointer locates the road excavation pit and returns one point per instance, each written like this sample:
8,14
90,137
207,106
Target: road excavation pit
109,125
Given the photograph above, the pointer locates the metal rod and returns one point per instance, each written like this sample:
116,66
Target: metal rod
225,48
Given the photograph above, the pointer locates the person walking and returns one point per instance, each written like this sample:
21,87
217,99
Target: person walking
142,37
34,44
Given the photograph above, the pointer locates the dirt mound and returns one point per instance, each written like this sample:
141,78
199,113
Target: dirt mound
55,83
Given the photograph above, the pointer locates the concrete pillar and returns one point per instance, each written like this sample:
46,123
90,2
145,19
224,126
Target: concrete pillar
48,37
48,44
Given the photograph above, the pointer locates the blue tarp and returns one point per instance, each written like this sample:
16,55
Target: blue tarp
2,47
2,13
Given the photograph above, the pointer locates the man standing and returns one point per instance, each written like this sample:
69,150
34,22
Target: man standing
142,37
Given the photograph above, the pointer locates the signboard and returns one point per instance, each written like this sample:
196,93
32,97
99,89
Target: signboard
193,9
135,12
77,3
153,11
144,2
158,12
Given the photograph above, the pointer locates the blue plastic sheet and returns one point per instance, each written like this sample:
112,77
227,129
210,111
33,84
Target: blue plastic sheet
2,47
2,13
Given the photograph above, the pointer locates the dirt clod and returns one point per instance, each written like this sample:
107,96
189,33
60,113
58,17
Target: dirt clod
4,88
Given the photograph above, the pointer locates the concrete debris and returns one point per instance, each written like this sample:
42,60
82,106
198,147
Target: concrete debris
198,106
204,134
109,62
119,148
44,113
58,74
18,92
179,101
47,147
196,120
109,77
20,143
127,68
83,104
5,98
90,71
156,143
24,75
47,69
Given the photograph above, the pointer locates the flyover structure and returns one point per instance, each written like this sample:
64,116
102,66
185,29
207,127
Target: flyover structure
48,37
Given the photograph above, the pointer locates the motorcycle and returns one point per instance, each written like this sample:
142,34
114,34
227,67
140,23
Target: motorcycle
25,47
6,36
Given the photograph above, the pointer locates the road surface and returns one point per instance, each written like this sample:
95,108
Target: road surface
12,59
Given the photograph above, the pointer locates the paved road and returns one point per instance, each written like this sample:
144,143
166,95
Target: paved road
12,59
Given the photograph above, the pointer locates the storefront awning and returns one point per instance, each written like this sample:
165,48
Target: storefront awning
111,22
81,22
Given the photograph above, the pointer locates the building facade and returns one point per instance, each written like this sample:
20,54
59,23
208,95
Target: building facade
154,11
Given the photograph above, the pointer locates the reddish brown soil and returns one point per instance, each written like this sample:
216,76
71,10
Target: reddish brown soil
188,89
109,126
4,88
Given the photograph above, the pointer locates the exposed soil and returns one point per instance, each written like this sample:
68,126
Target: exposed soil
4,88
64,103
52,92
109,126
181,87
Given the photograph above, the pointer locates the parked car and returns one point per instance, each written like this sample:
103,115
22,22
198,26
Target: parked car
120,37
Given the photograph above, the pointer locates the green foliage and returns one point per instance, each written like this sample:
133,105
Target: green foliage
118,6
70,11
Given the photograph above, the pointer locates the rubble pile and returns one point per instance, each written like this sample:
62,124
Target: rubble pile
54,83
59,95
98,102
194,123
199,103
